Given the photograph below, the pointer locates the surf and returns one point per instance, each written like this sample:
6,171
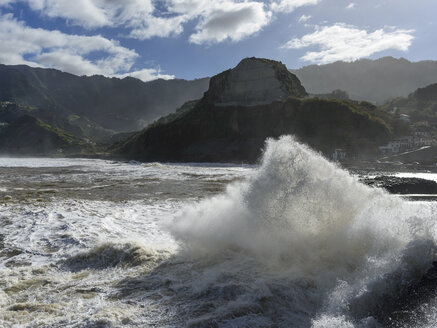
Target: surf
302,218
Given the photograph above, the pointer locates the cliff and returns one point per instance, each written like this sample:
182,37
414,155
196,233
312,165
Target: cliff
254,81
225,127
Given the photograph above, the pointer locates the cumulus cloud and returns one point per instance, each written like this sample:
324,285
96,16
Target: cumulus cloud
229,20
95,13
348,43
288,6
147,74
158,27
38,47
213,21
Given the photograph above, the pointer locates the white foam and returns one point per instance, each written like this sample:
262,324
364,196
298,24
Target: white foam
305,217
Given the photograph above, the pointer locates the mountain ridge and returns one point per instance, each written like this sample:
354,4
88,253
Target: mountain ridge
113,104
377,80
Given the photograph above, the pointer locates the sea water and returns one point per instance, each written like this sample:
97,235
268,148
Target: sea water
295,241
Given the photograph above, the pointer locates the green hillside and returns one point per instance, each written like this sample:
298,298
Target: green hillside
237,134
420,106
28,135
95,105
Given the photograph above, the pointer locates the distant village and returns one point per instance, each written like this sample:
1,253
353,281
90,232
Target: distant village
6,104
419,139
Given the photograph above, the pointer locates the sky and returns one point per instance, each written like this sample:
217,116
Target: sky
188,39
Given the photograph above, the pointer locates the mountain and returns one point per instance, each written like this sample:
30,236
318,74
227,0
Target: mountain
28,135
427,94
257,99
420,106
95,106
372,80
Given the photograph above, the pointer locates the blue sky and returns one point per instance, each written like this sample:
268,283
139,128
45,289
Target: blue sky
196,38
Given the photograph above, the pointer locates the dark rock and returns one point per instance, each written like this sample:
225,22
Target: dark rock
410,306
397,185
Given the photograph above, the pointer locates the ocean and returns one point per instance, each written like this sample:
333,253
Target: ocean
295,241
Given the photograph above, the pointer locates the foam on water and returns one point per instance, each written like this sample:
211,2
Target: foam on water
302,217
295,242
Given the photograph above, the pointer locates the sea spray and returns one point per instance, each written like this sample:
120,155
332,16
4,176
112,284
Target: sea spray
299,243
303,218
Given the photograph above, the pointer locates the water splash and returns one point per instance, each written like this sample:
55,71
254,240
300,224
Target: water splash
302,217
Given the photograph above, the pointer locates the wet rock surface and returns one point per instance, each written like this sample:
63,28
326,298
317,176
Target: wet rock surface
409,308
403,186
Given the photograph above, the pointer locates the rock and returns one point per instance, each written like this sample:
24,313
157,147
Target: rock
412,303
258,99
397,185
254,81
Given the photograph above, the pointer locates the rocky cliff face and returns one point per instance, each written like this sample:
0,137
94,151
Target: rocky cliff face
244,106
254,81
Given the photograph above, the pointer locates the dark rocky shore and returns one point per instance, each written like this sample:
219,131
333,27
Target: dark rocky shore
403,186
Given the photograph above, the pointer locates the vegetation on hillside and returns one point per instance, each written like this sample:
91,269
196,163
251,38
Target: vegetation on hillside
420,106
376,81
203,132
31,136
94,106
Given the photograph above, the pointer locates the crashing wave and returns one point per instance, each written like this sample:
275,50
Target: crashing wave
303,218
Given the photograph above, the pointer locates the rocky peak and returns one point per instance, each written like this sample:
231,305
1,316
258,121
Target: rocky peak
428,93
254,81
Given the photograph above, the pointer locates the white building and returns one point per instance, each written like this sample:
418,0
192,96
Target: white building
405,118
339,155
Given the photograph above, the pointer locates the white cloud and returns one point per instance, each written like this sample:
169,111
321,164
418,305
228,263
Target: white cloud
229,20
213,21
304,18
5,2
147,74
286,6
158,27
95,13
38,47
348,43
350,6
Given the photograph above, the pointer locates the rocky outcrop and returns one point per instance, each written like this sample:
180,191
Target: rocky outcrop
397,185
231,122
254,81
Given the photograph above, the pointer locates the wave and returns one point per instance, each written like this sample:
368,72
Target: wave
302,218
110,255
